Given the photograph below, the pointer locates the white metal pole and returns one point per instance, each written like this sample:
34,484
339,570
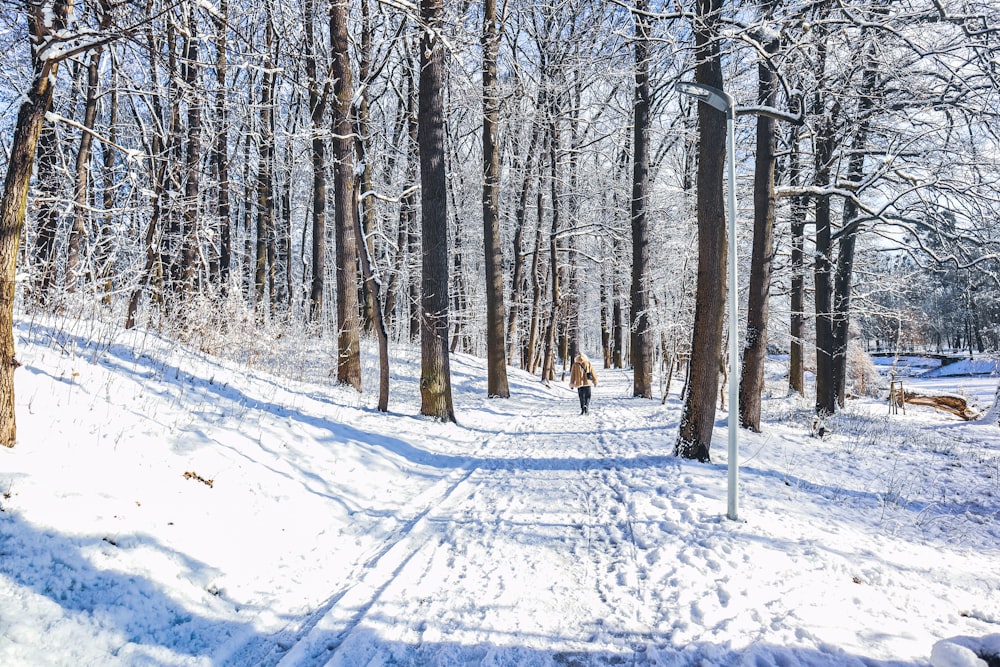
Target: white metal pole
734,463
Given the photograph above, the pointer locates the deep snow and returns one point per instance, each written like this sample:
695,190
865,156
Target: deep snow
165,506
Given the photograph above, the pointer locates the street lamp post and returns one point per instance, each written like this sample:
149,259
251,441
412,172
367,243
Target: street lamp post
723,101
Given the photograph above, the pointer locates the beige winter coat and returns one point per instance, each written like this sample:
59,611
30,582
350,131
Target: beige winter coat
578,372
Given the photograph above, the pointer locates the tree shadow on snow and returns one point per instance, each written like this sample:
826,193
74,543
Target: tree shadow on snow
128,615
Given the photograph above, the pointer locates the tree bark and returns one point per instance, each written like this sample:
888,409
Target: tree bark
366,187
641,333
548,361
265,172
538,281
496,354
81,187
826,394
435,370
796,365
348,317
698,415
47,218
192,166
762,259
220,150
317,153
519,284
378,321
849,233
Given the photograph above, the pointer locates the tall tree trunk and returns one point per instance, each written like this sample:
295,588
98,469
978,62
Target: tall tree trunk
189,248
698,416
82,171
548,362
381,334
44,19
367,202
617,328
496,354
317,108
537,285
105,241
639,320
519,284
849,232
220,150
47,217
762,258
799,206
435,369
605,325
348,320
826,393
265,170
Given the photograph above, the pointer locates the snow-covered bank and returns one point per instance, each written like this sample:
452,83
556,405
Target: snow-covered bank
164,507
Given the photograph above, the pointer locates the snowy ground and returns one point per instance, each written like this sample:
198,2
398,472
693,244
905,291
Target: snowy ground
166,507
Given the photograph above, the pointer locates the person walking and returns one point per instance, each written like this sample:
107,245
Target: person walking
582,378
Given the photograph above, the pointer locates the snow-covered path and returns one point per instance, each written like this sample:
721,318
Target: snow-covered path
331,534
472,572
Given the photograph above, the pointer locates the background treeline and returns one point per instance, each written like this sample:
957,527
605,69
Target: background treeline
199,162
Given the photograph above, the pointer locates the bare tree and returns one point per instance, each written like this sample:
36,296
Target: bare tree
698,416
348,317
762,259
46,20
639,321
495,350
435,370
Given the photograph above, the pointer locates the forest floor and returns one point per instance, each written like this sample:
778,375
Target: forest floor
166,506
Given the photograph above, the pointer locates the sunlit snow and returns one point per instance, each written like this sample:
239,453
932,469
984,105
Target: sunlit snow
167,507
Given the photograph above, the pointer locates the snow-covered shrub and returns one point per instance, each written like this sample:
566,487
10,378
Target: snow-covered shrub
862,374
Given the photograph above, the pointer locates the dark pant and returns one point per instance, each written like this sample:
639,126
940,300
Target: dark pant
584,393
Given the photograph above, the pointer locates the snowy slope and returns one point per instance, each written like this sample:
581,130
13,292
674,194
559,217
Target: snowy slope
167,507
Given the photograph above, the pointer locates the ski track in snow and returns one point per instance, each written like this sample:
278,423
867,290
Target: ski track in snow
462,529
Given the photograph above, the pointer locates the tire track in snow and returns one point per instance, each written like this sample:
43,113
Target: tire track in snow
314,640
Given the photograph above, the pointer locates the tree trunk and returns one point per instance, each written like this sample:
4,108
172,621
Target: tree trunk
369,301
762,259
496,354
849,233
378,323
265,171
519,284
189,247
605,325
43,19
641,333
348,319
826,394
796,365
47,218
81,187
220,151
317,108
698,416
105,241
435,370
537,286
548,362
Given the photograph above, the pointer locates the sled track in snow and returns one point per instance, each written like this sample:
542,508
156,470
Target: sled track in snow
315,639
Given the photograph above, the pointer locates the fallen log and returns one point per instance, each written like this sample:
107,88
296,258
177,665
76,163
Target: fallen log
952,403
